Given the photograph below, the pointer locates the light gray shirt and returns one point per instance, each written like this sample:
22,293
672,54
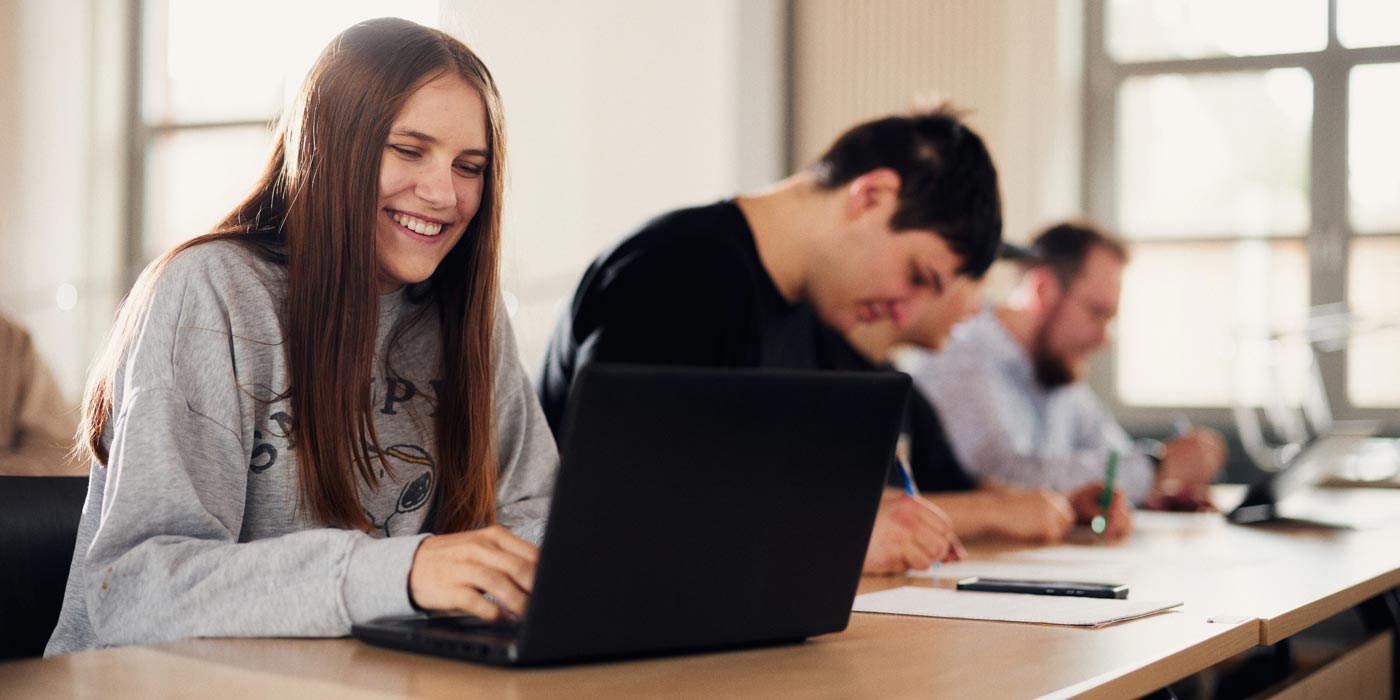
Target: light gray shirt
194,528
1004,424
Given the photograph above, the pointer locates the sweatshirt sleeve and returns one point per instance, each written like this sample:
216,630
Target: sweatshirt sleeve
528,456
168,560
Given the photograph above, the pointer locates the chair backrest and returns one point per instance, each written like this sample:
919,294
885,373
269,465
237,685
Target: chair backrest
38,526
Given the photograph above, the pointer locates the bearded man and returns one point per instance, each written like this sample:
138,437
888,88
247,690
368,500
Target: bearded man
1009,384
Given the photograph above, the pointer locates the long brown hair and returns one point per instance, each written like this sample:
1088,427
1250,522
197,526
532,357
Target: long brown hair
314,210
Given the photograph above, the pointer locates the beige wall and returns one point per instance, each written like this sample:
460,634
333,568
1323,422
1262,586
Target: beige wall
1015,64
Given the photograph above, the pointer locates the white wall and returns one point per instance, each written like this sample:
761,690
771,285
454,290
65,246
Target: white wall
618,110
45,186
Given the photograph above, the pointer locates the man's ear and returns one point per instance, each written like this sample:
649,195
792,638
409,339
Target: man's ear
1045,287
874,191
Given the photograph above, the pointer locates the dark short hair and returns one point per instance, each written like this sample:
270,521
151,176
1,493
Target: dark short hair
947,182
1063,248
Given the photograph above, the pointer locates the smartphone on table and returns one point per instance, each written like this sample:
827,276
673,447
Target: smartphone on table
1077,589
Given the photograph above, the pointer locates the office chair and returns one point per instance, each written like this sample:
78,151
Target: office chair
38,526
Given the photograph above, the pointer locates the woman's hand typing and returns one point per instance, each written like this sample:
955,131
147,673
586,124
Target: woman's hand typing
458,572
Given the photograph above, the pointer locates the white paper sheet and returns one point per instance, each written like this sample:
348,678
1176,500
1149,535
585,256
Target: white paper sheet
1006,607
1185,553
1026,570
1089,554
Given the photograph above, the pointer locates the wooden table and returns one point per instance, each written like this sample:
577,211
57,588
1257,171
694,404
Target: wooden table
1271,584
878,656
1288,577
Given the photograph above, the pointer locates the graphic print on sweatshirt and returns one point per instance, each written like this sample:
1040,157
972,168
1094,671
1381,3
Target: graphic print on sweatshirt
404,460
402,410
276,431
399,400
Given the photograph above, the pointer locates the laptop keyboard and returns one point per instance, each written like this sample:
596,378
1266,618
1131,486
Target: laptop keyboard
476,625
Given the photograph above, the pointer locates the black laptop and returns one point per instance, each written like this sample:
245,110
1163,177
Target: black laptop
1290,496
695,509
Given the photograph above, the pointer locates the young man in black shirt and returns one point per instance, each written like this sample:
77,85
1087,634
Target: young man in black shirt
882,223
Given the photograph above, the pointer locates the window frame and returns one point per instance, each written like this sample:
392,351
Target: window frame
1329,235
147,24
148,21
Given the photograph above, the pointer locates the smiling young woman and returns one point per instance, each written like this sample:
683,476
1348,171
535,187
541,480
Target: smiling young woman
290,403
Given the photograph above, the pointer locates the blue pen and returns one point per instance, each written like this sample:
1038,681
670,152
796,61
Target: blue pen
901,457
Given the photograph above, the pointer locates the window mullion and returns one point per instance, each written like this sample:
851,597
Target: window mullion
1102,82
137,143
1330,233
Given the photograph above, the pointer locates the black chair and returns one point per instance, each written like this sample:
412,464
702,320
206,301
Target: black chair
38,527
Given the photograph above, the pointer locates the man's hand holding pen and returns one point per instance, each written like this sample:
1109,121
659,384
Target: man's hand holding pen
910,533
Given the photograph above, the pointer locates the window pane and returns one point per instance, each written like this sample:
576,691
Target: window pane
194,177
1373,360
1374,151
224,61
1150,30
1195,317
1368,23
1221,154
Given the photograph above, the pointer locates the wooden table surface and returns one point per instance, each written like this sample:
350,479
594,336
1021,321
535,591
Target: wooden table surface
1265,583
1288,577
878,656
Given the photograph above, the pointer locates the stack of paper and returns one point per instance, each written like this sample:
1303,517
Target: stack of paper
1006,607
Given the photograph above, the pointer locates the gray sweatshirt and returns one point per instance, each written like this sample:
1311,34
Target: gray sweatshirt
193,528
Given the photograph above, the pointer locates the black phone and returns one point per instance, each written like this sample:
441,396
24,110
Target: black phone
1078,589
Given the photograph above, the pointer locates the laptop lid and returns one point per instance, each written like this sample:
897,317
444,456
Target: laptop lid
701,508
1267,499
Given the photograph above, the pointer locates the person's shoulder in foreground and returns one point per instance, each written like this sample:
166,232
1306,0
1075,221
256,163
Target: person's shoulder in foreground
36,422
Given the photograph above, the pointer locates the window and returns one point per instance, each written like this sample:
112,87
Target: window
212,80
1252,165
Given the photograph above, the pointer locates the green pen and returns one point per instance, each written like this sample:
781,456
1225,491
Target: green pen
1100,522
